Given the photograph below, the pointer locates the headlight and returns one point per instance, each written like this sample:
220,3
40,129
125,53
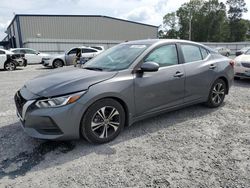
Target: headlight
59,101
238,63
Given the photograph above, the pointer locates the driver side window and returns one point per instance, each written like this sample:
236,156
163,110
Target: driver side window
164,55
72,52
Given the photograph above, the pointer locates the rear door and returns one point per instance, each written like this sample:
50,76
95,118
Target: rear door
88,53
200,72
31,56
159,90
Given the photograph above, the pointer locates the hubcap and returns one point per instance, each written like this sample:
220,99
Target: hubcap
218,93
105,122
10,66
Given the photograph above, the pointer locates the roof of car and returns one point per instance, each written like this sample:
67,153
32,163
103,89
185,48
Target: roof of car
6,51
154,41
21,49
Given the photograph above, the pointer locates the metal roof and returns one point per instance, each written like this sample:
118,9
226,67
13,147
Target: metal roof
56,15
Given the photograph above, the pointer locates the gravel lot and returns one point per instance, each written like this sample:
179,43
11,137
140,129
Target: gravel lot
192,147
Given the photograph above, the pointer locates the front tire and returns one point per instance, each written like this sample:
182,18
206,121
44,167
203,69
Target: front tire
57,63
217,94
103,121
10,66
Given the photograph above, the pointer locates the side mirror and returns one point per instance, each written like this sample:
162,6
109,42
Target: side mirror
149,66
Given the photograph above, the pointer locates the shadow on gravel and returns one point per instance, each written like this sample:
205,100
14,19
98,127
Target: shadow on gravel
17,69
44,68
242,83
62,152
25,161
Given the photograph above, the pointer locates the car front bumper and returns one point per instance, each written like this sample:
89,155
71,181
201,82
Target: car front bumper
58,123
241,71
46,62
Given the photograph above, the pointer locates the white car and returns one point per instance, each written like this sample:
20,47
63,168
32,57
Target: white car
32,56
68,58
242,65
223,51
9,60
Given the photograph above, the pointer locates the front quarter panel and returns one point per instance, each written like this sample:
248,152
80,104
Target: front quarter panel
119,87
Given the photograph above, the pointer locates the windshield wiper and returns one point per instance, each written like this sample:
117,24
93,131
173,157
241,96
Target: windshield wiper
93,68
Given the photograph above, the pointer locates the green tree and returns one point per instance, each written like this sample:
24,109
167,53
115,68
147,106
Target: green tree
238,27
188,15
170,24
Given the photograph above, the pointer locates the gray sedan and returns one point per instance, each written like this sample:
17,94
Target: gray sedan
129,82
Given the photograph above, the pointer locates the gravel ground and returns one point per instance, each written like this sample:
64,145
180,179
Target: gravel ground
192,147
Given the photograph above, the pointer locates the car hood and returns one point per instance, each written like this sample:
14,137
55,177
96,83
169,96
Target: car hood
65,81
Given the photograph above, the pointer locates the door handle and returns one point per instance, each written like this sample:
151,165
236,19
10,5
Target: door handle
178,74
212,66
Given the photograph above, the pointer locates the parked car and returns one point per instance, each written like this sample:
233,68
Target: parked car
126,83
32,56
9,61
223,51
68,58
100,48
242,65
242,51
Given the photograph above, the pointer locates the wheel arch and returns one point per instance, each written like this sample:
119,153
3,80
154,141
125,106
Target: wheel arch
59,60
119,100
226,82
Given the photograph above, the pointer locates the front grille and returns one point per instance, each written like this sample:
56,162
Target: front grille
20,101
247,65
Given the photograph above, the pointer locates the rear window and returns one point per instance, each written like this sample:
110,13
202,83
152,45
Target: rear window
204,53
191,53
86,50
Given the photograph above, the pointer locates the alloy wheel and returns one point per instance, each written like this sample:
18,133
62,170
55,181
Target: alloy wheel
105,122
10,66
57,64
218,93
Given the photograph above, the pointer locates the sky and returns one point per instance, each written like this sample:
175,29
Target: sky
144,11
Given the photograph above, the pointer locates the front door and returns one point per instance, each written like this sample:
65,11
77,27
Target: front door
70,56
163,89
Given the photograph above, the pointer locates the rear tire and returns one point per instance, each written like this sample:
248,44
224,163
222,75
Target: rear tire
57,63
217,94
10,66
103,121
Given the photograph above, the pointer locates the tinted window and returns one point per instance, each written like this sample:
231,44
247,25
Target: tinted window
16,51
204,53
247,52
2,52
96,47
72,52
86,50
30,51
164,56
191,53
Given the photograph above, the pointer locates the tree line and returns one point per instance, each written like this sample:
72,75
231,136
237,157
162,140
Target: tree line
207,21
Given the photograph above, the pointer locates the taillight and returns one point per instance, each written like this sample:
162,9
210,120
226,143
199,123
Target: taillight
232,63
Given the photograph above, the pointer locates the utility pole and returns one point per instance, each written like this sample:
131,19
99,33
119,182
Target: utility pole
190,25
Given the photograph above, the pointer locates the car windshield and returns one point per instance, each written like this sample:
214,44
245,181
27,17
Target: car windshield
247,52
116,58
